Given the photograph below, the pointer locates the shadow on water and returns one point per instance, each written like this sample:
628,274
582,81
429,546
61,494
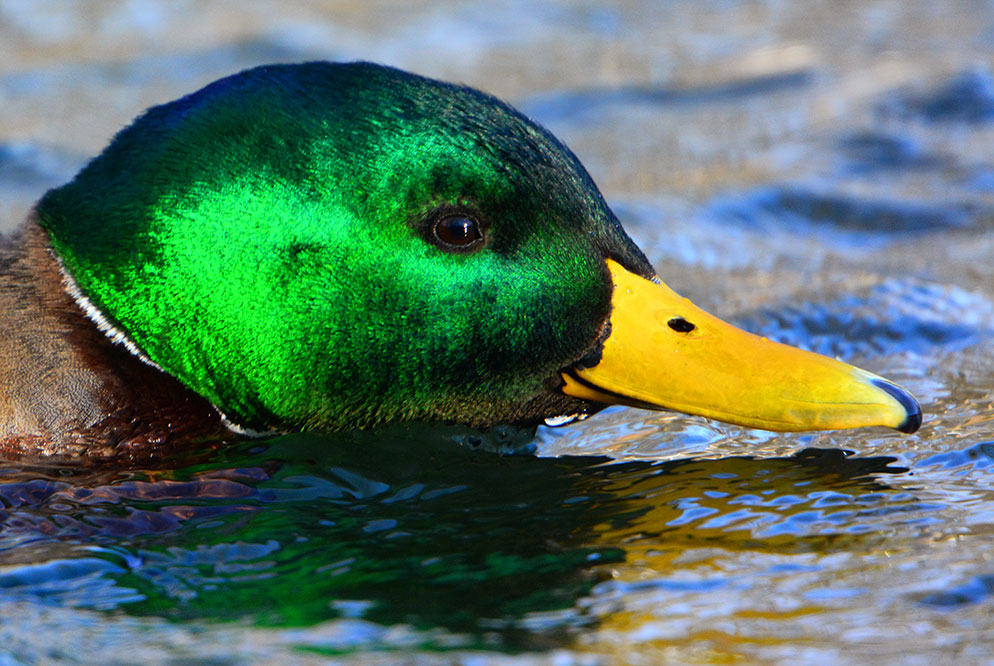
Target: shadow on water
403,527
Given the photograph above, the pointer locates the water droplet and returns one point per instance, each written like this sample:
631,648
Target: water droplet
565,419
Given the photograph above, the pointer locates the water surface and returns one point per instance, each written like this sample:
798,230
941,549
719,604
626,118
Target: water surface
820,173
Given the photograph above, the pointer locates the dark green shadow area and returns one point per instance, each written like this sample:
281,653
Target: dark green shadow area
403,526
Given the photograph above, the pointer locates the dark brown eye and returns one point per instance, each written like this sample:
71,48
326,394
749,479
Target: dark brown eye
458,232
681,325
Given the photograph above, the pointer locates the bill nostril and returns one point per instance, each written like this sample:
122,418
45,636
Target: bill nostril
680,325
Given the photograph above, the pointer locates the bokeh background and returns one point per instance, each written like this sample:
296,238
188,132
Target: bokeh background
818,172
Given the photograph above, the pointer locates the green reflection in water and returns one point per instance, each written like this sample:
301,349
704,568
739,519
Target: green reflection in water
405,526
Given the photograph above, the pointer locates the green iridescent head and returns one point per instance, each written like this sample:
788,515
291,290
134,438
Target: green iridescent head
338,245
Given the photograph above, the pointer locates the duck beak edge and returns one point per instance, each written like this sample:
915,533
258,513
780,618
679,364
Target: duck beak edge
663,352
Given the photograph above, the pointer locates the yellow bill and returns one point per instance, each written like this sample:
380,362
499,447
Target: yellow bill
663,352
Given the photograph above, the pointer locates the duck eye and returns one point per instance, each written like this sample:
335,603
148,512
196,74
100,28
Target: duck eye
458,232
680,325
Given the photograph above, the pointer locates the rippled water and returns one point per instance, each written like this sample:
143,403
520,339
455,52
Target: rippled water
818,172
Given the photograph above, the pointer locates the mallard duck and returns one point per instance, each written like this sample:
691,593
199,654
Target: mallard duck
337,246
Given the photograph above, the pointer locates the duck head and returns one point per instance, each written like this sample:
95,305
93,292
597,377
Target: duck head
340,245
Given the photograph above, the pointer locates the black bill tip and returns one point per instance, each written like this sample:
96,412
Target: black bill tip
911,406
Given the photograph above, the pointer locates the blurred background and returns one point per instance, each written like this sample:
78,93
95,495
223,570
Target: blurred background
818,172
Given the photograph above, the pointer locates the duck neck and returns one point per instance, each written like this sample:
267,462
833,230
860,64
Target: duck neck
68,389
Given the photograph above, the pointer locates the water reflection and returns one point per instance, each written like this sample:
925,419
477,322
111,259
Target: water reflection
588,106
408,527
966,98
